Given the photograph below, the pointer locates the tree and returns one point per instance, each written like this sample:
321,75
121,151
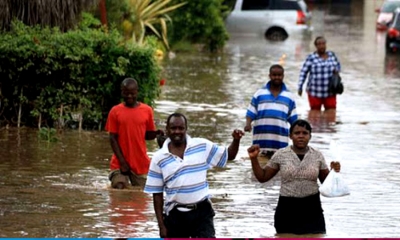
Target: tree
64,14
147,14
103,12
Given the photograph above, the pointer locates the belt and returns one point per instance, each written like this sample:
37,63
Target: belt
192,206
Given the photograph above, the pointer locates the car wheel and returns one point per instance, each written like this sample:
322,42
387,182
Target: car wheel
387,46
276,34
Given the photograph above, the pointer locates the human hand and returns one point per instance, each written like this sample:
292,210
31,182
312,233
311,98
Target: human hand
247,128
335,166
160,140
237,134
163,232
300,92
124,168
253,151
160,132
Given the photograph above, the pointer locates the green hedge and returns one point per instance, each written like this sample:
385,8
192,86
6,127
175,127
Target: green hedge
199,21
47,76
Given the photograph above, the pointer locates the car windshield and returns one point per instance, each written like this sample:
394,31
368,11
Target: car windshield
389,7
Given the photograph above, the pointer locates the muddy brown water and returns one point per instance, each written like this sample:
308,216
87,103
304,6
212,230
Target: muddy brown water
61,189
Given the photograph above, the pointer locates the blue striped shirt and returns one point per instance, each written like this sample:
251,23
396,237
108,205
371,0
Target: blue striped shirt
319,71
184,181
270,116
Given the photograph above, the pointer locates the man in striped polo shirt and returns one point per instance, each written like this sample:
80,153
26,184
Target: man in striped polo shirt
271,109
179,169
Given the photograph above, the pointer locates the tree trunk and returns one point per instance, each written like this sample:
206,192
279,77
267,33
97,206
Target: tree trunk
60,119
40,121
103,12
20,107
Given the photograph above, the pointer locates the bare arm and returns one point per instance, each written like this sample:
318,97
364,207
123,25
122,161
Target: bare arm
151,135
324,172
124,166
262,174
158,201
303,74
234,146
247,128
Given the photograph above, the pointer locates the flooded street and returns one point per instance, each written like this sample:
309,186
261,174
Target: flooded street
60,189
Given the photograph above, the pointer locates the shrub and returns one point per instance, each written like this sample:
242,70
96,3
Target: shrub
49,77
199,22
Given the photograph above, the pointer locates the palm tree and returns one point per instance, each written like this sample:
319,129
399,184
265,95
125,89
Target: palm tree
62,13
147,14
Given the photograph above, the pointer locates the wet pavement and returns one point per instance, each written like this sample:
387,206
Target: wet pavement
61,189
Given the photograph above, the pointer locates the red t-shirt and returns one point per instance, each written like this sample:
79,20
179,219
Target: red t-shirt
131,125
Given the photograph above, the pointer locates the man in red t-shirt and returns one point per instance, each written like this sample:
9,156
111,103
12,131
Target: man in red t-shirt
130,124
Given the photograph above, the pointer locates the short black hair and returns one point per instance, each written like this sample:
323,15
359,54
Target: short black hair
276,66
176,114
300,123
128,81
318,38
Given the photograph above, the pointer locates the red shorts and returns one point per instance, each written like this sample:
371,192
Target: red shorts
316,103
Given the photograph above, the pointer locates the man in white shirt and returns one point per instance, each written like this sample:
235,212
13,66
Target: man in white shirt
179,169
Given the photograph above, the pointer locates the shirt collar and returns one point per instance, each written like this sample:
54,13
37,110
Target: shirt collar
268,86
165,150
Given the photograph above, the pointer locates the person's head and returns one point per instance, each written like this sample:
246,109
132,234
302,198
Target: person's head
276,74
176,128
129,91
320,44
300,133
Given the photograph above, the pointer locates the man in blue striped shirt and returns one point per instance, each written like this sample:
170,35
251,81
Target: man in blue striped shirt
271,110
179,169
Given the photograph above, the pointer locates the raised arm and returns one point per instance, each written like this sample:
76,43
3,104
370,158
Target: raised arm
234,146
262,174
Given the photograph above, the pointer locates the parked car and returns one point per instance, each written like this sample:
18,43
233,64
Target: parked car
393,33
386,13
273,19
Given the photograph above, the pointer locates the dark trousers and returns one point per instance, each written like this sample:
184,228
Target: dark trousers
197,223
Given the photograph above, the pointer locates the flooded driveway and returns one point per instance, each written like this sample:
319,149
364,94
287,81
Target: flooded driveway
61,189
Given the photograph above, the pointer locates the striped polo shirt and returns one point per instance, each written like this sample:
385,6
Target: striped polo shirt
271,117
184,181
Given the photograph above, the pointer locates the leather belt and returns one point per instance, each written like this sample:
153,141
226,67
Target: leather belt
192,206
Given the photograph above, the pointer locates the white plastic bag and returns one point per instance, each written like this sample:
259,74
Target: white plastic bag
334,185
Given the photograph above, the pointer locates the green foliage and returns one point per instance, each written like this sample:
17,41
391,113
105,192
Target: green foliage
200,22
145,15
64,14
226,7
48,134
116,12
79,71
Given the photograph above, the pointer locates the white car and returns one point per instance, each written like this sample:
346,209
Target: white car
272,19
386,13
